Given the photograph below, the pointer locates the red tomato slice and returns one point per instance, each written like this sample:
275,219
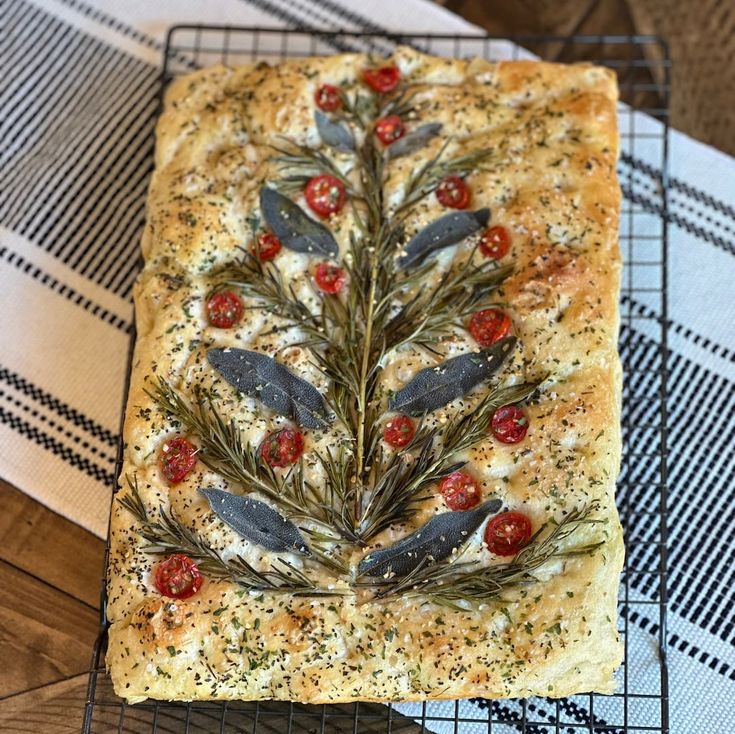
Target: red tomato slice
399,431
329,278
178,577
385,79
327,98
268,246
453,192
460,491
389,129
489,325
224,309
507,533
177,458
509,424
325,195
282,448
495,242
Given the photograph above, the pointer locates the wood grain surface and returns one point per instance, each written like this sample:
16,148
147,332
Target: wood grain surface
56,707
49,547
50,571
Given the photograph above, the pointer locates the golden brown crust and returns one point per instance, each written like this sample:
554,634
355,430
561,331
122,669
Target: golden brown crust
553,184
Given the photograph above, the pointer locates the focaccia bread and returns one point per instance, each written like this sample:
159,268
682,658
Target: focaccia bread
398,385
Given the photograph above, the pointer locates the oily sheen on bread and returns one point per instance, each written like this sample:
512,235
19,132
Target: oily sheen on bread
544,140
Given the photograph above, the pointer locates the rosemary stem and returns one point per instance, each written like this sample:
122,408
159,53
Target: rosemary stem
362,398
372,178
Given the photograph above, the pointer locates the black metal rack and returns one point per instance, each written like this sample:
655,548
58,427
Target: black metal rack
641,704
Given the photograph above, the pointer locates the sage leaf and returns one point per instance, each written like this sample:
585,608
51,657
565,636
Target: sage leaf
433,542
434,387
443,232
334,134
256,521
296,230
279,389
414,140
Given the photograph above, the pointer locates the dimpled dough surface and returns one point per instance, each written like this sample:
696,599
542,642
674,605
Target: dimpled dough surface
553,185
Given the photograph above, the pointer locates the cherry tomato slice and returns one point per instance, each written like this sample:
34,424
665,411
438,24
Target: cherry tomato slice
327,98
385,79
460,491
495,242
177,458
224,309
453,192
268,246
399,431
325,195
178,577
509,424
329,278
282,448
507,533
389,129
489,325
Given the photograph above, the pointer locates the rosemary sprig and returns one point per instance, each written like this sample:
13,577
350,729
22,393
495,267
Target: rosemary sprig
350,337
263,282
326,556
369,273
224,450
432,312
454,581
298,163
423,181
463,431
402,103
360,108
167,535
330,333
399,482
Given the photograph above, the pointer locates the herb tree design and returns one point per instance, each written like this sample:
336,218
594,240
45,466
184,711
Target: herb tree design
375,300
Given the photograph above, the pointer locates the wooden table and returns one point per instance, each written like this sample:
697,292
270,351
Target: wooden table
50,575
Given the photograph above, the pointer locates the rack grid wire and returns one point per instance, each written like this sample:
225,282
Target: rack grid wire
641,703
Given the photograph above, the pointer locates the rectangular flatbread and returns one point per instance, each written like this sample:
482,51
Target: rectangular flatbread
373,427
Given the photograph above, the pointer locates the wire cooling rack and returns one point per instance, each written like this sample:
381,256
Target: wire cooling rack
641,704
